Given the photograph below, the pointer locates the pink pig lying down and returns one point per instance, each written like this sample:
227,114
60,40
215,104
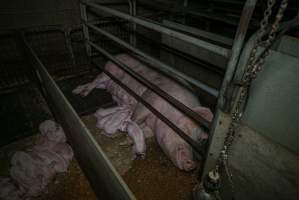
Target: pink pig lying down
33,169
130,115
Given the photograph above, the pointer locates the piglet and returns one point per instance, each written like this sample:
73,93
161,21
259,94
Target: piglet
33,169
9,190
173,145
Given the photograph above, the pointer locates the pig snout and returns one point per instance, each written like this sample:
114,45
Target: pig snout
184,159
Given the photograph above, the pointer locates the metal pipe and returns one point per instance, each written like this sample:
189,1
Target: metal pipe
85,29
204,35
104,179
182,134
236,50
189,58
185,3
180,106
113,4
162,29
133,12
156,63
209,15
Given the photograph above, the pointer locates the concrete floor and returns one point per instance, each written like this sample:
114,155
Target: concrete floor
152,178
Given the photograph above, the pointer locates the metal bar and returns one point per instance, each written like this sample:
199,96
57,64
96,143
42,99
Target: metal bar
180,106
104,179
85,29
205,35
156,63
190,58
229,1
157,27
69,47
182,134
133,12
213,16
114,3
185,3
237,48
198,13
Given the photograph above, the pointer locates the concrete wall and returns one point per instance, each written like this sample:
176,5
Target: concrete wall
264,157
31,13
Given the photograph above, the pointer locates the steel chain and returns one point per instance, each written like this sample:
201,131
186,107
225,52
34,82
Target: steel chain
254,65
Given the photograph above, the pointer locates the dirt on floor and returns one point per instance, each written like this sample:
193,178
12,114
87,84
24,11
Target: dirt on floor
156,178
152,178
70,185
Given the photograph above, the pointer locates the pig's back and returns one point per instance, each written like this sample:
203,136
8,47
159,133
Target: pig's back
168,85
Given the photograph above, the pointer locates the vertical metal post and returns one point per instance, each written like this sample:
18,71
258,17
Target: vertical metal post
221,120
236,49
85,28
162,29
68,43
133,12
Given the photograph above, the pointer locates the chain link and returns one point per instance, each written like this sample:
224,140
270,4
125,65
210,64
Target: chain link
254,65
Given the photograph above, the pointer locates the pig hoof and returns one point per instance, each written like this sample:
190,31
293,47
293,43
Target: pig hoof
142,156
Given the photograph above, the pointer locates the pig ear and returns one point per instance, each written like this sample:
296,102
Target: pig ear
204,112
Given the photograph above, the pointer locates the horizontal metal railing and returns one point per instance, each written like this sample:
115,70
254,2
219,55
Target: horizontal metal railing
177,130
231,54
161,93
180,106
162,29
104,179
155,62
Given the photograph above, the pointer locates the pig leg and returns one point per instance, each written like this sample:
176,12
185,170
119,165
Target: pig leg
102,112
140,114
137,136
147,131
115,120
102,121
85,89
110,114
